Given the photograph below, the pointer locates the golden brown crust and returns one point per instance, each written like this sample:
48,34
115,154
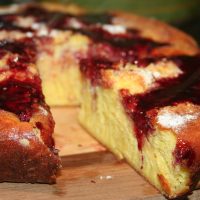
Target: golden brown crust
180,42
43,120
70,8
24,156
186,128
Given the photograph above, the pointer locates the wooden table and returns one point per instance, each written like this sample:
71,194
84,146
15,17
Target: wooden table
89,171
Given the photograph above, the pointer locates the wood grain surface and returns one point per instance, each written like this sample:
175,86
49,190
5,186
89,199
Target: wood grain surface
89,171
70,137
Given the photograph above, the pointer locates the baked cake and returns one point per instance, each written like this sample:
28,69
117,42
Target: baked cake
136,79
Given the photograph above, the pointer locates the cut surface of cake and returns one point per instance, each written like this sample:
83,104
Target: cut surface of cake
136,79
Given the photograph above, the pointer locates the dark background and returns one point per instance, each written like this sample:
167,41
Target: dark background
184,14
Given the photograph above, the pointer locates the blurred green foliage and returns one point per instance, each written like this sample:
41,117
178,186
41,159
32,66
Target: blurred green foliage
167,10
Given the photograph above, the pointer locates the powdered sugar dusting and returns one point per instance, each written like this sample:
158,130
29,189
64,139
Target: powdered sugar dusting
114,29
43,110
74,23
146,75
175,121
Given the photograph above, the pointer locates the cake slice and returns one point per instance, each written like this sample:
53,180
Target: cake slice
160,143
137,81
142,102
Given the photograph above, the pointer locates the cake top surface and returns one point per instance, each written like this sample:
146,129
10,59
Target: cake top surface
110,44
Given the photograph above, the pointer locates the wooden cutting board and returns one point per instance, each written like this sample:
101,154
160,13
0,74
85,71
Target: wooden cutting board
89,171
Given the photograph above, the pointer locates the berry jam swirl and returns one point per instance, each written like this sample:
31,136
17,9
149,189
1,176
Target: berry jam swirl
20,93
141,108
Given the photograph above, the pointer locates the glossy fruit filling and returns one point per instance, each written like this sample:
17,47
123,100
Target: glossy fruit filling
184,88
19,93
